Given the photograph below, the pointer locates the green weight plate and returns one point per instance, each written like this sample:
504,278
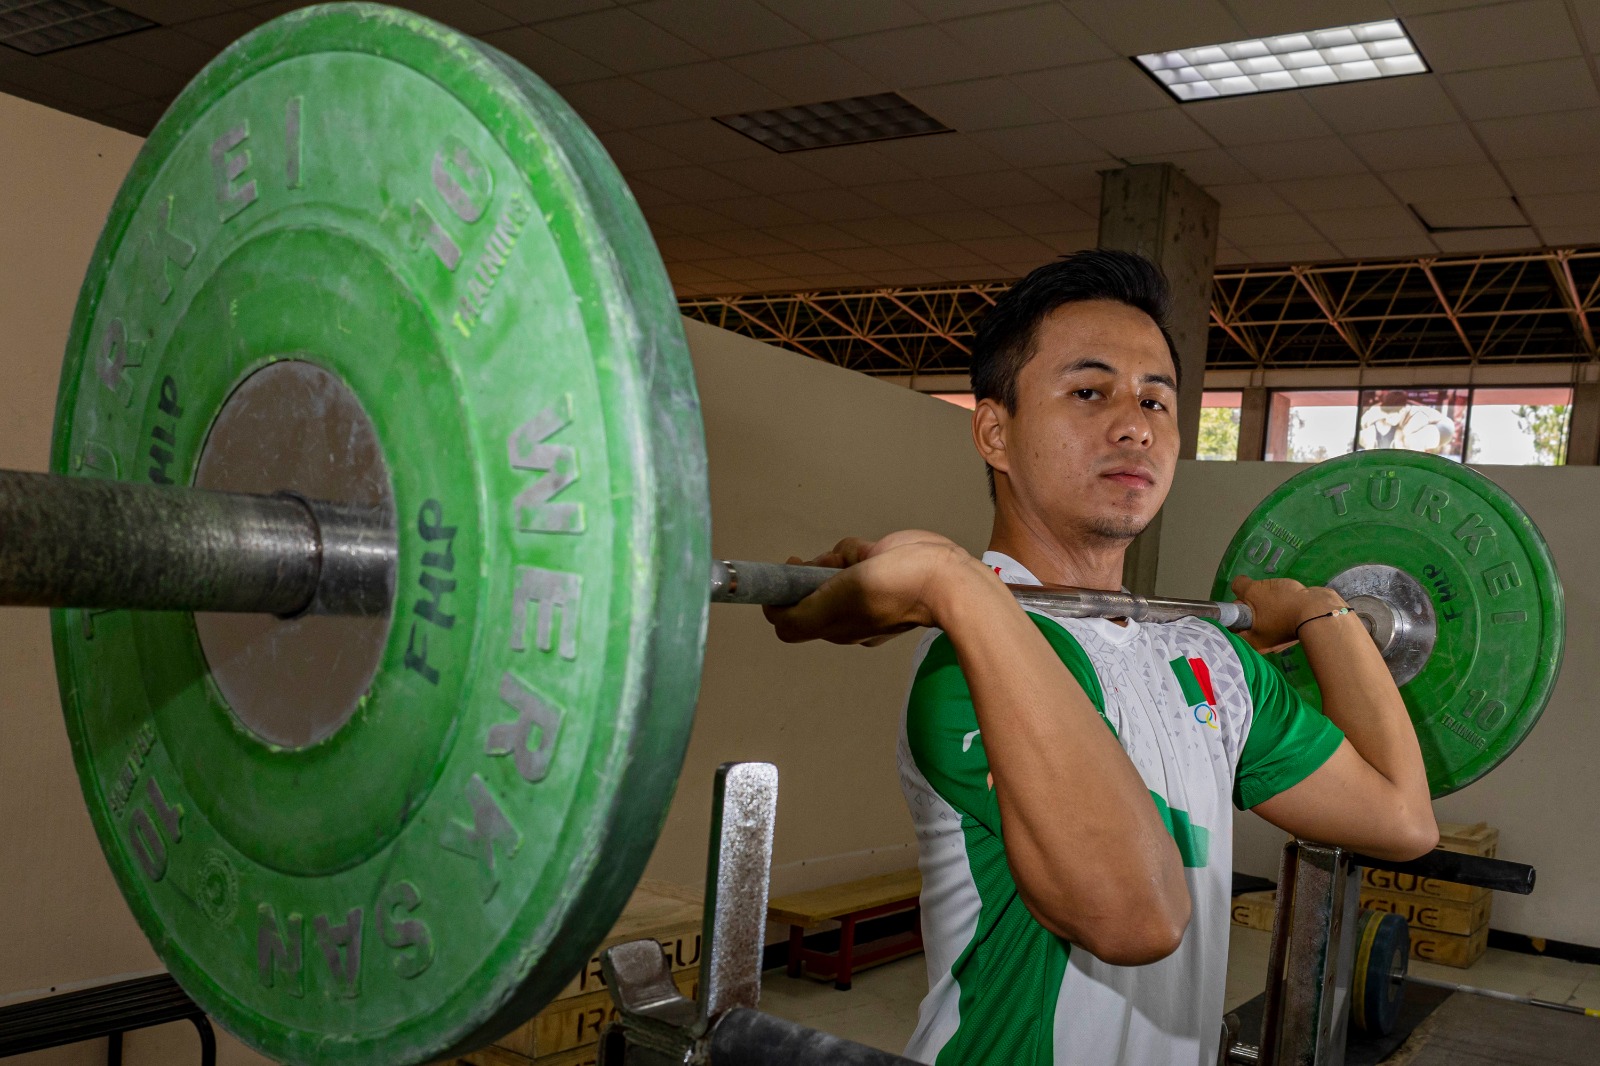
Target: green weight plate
1483,566
1383,946
358,203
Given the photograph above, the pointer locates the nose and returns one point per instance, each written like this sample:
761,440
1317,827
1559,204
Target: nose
1130,422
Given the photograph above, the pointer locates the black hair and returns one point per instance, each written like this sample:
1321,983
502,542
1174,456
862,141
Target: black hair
1005,338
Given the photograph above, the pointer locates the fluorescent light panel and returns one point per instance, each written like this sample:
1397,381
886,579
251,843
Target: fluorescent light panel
39,27
881,117
1286,61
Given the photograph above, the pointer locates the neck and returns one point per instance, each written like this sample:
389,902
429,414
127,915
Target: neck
1080,559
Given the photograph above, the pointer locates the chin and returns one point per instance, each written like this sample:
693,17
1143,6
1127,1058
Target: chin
1119,527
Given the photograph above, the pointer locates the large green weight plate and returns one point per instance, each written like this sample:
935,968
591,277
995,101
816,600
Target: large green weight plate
370,193
1495,593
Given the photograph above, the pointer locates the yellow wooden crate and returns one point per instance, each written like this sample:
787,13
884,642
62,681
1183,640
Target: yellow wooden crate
1428,912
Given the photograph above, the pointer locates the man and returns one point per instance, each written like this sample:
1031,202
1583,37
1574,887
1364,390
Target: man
1397,422
1076,877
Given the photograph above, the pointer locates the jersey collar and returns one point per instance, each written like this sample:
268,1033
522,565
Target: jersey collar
1014,573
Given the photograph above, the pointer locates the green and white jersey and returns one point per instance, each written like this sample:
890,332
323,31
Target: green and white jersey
1209,724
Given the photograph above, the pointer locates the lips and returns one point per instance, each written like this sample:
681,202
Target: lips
1133,477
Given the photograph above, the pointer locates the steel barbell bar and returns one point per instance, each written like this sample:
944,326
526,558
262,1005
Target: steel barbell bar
99,544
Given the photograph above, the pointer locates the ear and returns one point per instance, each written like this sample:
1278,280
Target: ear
990,421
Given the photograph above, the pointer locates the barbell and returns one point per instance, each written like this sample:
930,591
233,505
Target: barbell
355,223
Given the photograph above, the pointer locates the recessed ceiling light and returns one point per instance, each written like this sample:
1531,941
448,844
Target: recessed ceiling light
1286,61
42,26
882,117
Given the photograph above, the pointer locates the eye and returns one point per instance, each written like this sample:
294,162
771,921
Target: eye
1085,394
1153,404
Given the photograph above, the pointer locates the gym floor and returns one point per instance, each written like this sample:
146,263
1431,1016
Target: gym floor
881,1007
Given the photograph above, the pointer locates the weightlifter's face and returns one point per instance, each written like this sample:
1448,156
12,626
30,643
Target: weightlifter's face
1092,445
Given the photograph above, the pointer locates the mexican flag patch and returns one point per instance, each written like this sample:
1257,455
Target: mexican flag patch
1194,678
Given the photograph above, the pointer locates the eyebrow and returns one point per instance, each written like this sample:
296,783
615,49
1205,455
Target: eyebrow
1098,364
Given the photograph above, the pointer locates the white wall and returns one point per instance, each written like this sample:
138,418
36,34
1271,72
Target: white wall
1545,798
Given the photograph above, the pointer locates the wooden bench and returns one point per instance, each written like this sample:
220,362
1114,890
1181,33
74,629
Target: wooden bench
849,904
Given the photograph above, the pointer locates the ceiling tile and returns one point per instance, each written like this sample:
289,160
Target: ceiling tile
1557,133
810,74
816,236
757,211
1209,166
1145,133
1338,191
223,29
1074,180
1001,188
166,48
1028,38
1109,87
1588,12
1486,240
1071,241
982,270
940,155
1262,18
622,103
966,225
712,89
1252,198
547,57
1569,235
740,269
854,164
686,274
1524,89
531,11
1299,252
104,63
771,173
622,40
632,152
1562,209
168,12
1267,229
1465,214
722,27
1133,27
694,184
1361,107
1466,182
64,88
907,277
1019,249
1353,223
702,139
1054,216
987,103
1291,160
1047,144
886,230
912,197
468,16
650,195
827,19
1494,36
830,205
1435,146
1554,174
868,258
138,117
942,254
1258,119
1407,247
799,263
950,9
748,242
687,218
1228,255
907,57
688,249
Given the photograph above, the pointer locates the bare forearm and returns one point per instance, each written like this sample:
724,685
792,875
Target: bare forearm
1065,788
1360,697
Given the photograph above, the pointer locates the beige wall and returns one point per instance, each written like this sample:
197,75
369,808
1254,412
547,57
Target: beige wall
1545,798
801,454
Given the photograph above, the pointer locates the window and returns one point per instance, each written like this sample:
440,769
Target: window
1219,425
1310,425
1414,420
1520,426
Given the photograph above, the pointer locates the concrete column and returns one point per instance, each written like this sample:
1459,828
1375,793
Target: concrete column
1583,434
1155,210
1252,425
